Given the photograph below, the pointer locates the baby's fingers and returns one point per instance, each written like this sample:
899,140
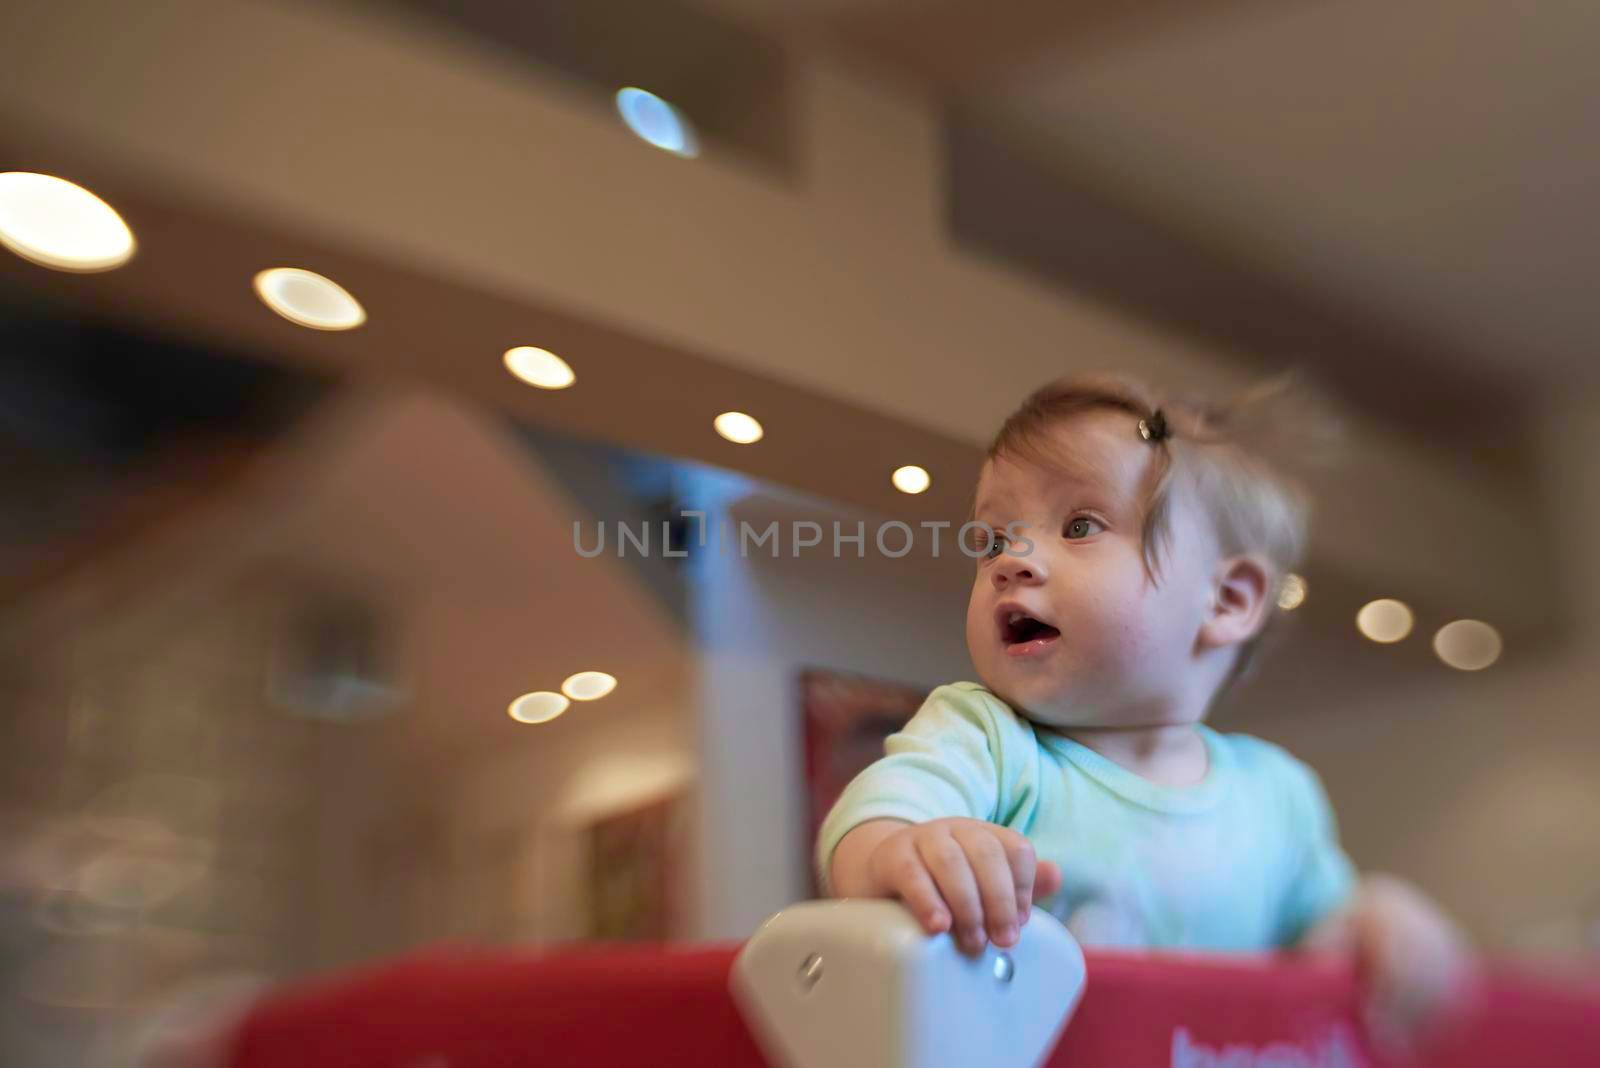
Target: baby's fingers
1046,880
1024,867
908,879
991,869
952,874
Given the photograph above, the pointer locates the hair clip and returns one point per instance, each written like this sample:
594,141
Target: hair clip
1155,429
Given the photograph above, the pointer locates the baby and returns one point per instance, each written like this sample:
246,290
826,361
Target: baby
1131,558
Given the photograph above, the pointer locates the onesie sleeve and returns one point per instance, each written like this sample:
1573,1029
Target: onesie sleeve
1323,879
947,761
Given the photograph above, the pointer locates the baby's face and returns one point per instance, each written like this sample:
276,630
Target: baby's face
1099,644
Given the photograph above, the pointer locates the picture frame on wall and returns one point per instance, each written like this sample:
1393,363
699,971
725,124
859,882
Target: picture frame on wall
846,718
635,871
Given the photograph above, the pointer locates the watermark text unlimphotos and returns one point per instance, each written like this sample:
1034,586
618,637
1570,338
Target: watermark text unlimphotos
893,538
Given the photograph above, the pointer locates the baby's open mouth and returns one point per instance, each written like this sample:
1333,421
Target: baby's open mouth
1020,631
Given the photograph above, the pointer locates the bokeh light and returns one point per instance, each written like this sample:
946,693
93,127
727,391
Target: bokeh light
308,299
1468,644
657,122
588,685
1385,620
539,367
738,427
911,479
55,223
539,707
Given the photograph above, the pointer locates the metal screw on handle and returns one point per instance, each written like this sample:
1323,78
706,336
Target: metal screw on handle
1004,967
810,972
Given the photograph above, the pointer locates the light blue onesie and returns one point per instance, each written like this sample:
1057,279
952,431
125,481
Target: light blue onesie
1247,859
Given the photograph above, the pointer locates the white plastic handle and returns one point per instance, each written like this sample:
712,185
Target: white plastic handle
857,984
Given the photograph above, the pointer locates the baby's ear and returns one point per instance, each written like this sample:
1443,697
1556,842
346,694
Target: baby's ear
1239,602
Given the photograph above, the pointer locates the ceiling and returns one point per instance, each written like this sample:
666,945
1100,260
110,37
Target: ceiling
818,287
1428,171
1434,165
1340,187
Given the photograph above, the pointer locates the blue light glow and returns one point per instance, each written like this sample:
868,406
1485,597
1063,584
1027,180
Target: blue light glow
657,122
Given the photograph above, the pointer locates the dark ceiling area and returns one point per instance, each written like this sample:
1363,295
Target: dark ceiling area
731,78
100,425
1008,204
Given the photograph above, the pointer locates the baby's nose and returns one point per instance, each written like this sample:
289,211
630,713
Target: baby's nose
1012,569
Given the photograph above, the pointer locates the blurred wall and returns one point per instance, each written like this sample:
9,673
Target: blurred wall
759,621
454,821
182,797
488,844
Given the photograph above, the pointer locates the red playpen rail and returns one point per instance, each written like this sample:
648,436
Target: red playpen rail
670,1008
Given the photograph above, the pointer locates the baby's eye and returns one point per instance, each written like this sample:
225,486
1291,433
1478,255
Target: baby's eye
982,542
1082,527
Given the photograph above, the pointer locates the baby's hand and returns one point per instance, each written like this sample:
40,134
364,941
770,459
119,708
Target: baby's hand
1419,966
974,879
1419,970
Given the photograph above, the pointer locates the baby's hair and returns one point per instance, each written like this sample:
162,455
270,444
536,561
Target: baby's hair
1220,450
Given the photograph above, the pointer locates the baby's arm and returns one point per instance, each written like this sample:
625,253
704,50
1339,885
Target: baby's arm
1417,967
917,824
976,879
1413,963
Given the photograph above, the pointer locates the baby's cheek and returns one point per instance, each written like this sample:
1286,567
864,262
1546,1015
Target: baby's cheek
980,643
1121,635
1138,662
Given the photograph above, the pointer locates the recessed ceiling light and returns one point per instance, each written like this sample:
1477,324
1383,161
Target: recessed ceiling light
910,479
657,122
738,427
1292,594
307,298
588,685
1468,644
540,707
1385,621
54,223
539,367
